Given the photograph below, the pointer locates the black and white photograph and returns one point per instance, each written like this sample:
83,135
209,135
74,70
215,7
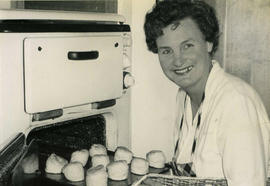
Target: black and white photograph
134,92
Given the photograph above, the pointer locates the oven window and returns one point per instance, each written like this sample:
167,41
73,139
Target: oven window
104,6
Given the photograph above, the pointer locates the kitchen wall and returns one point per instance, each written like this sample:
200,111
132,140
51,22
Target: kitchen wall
220,7
5,4
247,51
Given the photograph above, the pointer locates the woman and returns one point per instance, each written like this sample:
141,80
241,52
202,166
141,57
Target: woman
222,128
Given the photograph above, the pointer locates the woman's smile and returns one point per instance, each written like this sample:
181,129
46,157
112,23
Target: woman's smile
183,71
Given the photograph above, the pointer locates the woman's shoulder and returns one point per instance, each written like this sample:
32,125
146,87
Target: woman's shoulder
235,86
235,92
222,81
223,84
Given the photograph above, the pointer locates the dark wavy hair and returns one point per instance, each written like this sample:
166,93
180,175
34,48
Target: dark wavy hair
167,12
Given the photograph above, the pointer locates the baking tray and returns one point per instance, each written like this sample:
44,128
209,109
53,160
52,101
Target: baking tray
41,178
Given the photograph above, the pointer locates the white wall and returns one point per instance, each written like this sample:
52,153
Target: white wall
153,96
248,43
5,4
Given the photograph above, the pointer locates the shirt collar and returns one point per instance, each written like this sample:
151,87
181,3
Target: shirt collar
213,78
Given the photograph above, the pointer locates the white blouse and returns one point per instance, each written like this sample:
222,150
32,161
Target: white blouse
233,137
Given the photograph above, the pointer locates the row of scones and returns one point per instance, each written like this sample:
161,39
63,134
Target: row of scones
102,168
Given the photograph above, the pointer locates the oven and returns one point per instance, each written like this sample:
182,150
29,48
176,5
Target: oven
64,85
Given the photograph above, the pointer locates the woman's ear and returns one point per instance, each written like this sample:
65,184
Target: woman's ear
209,46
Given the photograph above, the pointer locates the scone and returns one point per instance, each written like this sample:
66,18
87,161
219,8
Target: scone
139,166
118,170
156,159
96,176
30,164
74,171
80,156
97,149
123,153
55,164
100,159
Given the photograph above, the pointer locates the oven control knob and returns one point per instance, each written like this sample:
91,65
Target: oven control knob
128,80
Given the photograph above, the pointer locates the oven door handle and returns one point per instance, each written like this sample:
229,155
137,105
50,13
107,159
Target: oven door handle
83,55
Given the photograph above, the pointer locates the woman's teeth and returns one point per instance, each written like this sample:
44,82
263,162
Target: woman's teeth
184,70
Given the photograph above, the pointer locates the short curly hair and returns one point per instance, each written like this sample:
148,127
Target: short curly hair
167,12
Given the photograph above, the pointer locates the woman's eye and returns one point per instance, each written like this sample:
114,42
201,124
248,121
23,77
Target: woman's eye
166,51
188,45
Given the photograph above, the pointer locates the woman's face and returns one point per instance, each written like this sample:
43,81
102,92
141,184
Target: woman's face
183,54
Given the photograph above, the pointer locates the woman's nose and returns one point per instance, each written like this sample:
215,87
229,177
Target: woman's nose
178,58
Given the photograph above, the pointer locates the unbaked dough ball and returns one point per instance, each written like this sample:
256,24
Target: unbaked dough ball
30,164
96,176
156,159
100,159
118,170
80,156
123,153
55,164
97,149
139,166
74,171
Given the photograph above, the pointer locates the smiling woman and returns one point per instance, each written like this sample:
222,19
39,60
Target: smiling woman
105,6
221,127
